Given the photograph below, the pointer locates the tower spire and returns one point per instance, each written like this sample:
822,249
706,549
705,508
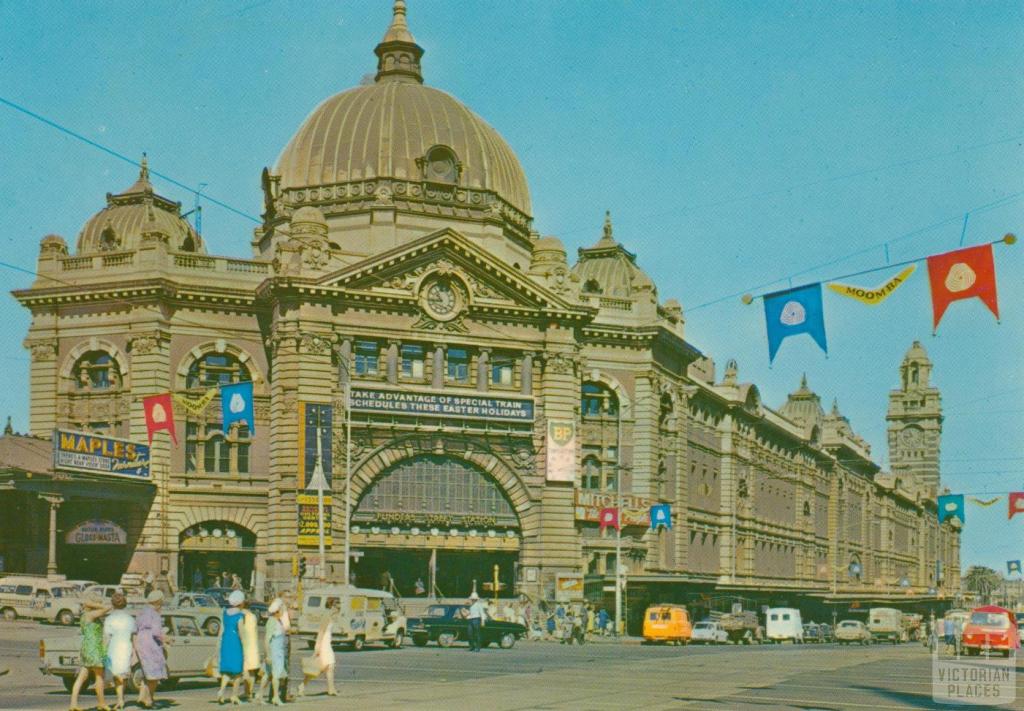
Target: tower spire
398,55
141,184
607,238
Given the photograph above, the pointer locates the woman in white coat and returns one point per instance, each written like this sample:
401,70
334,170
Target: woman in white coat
323,659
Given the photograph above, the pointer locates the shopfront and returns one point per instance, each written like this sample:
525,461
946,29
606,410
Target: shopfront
210,549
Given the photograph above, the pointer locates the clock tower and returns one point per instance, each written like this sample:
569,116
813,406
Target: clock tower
915,424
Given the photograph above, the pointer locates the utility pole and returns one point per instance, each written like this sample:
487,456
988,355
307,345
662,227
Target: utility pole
618,526
348,477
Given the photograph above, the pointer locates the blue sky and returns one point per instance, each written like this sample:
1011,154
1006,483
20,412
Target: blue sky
735,143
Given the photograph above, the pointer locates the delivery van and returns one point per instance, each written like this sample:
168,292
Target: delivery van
361,616
886,623
667,623
784,623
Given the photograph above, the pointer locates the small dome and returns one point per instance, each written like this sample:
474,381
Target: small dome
549,243
609,269
54,244
804,406
128,215
398,128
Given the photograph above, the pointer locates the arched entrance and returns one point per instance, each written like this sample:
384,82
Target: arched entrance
435,521
211,548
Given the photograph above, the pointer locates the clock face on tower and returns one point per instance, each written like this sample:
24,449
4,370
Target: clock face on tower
911,437
441,299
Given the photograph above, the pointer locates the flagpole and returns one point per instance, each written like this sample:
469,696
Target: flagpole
318,477
618,527
348,478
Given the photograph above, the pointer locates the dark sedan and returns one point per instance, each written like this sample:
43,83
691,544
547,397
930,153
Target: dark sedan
447,624
221,596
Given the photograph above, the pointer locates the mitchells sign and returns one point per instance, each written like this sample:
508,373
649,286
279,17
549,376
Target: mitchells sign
94,454
442,405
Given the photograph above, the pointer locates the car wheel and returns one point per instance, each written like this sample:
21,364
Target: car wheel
396,643
446,639
420,640
68,681
212,627
9,614
507,641
66,617
358,643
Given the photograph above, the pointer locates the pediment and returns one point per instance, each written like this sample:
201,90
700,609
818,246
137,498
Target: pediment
487,283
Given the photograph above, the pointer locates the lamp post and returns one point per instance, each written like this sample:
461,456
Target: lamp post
618,526
348,476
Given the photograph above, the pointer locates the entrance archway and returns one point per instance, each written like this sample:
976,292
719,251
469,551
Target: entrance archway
211,548
435,524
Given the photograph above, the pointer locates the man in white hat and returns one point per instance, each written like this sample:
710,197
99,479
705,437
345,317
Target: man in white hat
476,615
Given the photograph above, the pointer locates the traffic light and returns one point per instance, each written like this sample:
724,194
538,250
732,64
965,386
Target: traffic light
302,567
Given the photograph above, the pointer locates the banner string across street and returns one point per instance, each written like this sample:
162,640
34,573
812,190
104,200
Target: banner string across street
236,406
952,276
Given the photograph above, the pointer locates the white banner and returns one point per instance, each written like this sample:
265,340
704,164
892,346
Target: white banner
97,532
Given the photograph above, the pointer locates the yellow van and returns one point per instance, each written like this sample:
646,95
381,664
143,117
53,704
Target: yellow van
667,623
362,616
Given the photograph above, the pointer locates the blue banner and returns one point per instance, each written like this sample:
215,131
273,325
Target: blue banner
95,454
951,505
661,515
1012,566
794,311
236,404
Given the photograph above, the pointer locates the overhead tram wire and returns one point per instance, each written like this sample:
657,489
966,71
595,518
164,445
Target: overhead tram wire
258,220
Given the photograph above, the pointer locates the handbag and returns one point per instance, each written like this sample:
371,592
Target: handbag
311,666
211,667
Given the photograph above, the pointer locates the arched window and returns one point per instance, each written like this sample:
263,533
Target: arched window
215,369
188,245
96,370
597,400
108,240
591,286
666,417
208,449
441,165
807,508
591,474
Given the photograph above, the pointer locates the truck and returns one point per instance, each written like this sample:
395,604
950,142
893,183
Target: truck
886,623
742,627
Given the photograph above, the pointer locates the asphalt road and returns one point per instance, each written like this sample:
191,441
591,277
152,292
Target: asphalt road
546,675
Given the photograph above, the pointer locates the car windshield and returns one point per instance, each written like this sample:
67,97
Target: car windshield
848,624
990,619
703,626
440,611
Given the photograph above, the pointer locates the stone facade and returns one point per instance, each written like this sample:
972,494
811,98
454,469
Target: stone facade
432,284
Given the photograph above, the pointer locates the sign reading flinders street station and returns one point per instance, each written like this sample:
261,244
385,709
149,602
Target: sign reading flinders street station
441,405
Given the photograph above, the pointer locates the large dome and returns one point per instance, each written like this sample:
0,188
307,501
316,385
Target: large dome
388,129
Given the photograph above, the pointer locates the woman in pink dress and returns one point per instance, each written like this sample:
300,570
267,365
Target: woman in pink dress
149,647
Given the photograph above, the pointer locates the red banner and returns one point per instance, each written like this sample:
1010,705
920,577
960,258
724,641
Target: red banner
159,415
609,519
1016,503
962,274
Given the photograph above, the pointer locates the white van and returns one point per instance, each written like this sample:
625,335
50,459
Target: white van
25,595
362,616
784,623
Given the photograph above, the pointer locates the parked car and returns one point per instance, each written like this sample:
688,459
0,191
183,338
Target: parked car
886,623
220,596
188,650
204,607
446,624
667,623
708,632
852,632
25,596
784,623
59,604
812,633
362,615
990,629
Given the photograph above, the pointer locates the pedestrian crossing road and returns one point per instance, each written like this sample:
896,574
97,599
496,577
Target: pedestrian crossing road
545,675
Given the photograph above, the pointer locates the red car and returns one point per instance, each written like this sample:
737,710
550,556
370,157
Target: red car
991,628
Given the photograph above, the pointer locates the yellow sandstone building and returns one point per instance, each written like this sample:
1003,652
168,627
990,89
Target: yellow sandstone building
499,396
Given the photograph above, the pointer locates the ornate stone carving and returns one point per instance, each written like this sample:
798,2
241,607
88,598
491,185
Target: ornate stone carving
42,350
524,461
560,364
383,197
315,343
316,255
455,325
143,344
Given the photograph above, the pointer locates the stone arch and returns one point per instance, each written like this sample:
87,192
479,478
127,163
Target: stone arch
383,459
613,384
94,344
243,517
220,346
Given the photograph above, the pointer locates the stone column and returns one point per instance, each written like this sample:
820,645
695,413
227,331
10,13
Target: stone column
526,379
54,500
437,377
481,370
391,356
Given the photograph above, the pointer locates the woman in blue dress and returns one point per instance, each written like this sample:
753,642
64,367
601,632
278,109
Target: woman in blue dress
231,657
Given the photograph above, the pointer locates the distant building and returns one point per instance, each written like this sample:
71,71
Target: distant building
501,397
915,425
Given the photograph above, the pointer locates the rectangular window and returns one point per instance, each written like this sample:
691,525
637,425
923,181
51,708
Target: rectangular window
367,357
458,365
242,448
501,370
191,443
412,362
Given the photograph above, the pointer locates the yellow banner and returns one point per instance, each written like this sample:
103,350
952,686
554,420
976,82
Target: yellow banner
195,404
985,502
873,296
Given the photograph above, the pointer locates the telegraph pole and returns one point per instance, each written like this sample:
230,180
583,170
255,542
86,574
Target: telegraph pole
618,527
348,477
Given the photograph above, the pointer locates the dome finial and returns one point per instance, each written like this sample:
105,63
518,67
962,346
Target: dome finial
398,55
141,184
606,237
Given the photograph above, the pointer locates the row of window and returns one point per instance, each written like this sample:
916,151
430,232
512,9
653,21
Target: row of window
212,451
97,370
412,364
